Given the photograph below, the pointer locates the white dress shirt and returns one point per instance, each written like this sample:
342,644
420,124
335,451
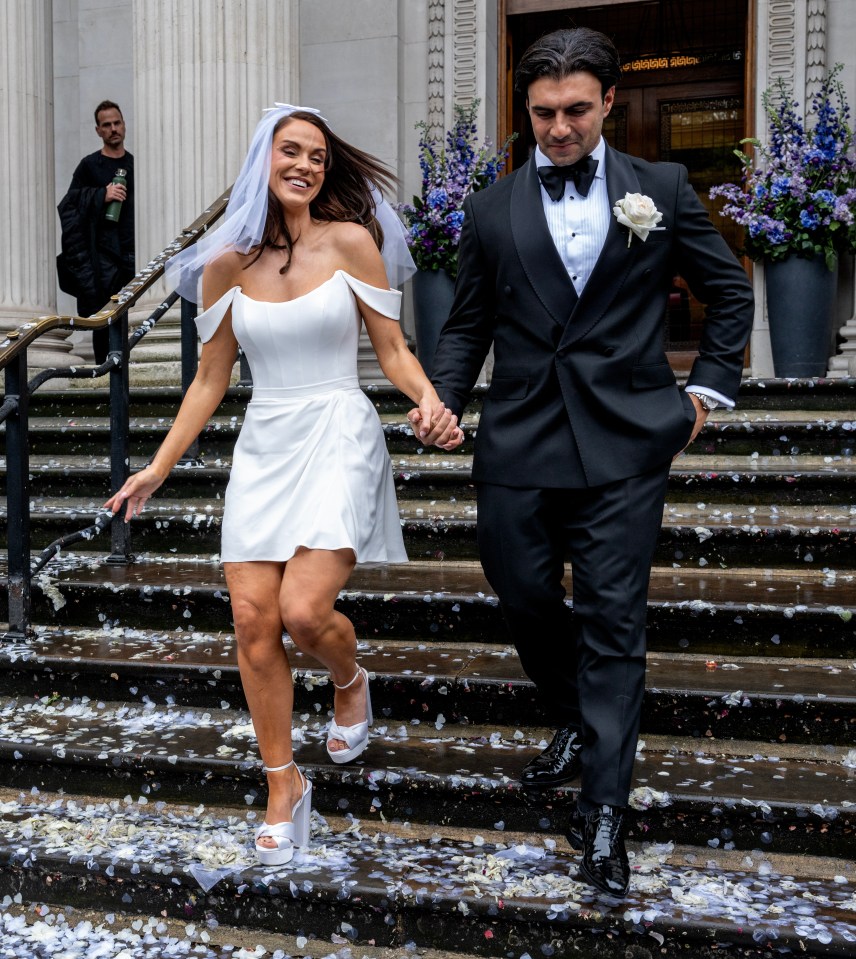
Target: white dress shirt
579,224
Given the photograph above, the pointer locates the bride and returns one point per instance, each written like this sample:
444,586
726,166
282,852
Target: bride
290,276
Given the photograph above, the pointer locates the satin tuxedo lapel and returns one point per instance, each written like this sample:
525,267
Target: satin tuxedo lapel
616,259
535,247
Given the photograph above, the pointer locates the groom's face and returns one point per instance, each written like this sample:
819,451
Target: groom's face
567,115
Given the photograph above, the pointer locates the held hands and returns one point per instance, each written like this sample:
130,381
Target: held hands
435,425
137,489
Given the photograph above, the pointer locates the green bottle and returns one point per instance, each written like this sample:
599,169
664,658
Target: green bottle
114,207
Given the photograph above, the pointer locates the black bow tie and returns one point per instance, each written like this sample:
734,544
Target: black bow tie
582,173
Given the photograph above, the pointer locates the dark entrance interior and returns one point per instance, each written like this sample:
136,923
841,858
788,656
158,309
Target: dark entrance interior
681,98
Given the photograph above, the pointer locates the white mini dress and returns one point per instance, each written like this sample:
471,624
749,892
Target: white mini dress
310,466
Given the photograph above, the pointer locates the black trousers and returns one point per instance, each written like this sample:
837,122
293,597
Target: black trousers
87,306
589,665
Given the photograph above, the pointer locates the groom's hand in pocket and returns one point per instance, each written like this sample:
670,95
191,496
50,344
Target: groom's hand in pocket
701,418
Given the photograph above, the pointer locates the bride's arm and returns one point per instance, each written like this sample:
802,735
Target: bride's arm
199,403
398,363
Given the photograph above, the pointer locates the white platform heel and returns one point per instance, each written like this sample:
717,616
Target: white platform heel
356,736
287,835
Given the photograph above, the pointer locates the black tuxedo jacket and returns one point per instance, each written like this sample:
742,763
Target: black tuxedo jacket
582,393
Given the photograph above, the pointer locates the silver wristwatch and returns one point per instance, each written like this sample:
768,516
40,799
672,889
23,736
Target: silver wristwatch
708,402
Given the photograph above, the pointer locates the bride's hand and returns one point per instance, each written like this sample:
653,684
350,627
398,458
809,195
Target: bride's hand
135,492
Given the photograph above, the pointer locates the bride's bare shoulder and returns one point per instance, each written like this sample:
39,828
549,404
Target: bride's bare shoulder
348,236
221,274
356,248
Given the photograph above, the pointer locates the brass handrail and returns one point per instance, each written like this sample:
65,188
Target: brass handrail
14,341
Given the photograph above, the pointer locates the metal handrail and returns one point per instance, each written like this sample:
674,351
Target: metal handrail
14,411
23,336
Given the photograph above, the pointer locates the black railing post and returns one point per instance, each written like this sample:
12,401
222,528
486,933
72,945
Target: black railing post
246,377
189,366
18,499
120,436
189,356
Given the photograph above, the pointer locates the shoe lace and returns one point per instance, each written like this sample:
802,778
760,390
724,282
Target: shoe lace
606,832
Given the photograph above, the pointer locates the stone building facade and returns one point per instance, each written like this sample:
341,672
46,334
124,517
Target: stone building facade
192,77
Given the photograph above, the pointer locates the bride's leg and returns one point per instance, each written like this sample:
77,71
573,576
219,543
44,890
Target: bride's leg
266,677
313,580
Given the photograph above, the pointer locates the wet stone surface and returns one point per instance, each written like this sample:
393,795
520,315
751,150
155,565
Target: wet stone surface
427,772
774,612
797,701
195,865
140,701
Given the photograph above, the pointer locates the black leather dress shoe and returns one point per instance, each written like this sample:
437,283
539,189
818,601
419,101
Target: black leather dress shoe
598,834
560,762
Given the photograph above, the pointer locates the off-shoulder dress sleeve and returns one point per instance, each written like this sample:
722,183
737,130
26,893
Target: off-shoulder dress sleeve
386,302
208,321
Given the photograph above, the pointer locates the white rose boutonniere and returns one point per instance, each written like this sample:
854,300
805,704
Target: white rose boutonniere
638,213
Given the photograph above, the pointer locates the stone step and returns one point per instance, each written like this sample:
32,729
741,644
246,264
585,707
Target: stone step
711,612
725,534
42,931
391,886
778,433
716,534
788,798
84,435
776,700
755,394
807,480
741,433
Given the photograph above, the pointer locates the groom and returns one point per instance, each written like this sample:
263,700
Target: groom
583,415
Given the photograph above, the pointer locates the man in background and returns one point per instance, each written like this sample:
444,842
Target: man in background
97,257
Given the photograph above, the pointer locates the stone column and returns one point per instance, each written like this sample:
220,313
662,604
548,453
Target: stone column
203,72
840,29
354,71
27,214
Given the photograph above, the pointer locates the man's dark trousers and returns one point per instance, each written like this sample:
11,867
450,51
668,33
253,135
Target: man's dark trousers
596,653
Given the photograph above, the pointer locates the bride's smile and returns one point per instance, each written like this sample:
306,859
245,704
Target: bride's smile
298,160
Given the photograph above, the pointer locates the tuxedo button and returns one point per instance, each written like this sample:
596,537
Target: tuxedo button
507,291
646,273
608,350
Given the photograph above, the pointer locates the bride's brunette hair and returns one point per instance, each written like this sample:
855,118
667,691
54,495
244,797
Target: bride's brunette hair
345,195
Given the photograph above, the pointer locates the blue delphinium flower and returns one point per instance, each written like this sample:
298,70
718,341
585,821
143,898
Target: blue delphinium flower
437,198
798,193
780,187
451,170
809,220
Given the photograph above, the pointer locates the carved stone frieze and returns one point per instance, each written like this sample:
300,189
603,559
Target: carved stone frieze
815,62
781,42
465,47
436,67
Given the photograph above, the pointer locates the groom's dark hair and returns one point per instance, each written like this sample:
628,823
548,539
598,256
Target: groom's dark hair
563,52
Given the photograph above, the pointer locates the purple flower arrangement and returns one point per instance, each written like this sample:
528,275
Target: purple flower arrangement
450,172
798,195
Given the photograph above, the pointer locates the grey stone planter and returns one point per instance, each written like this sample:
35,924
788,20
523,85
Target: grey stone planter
433,291
800,308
